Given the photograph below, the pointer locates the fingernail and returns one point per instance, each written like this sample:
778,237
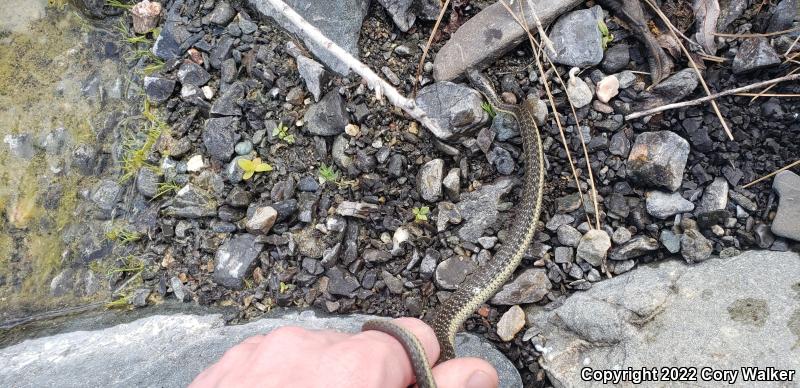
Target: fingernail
480,379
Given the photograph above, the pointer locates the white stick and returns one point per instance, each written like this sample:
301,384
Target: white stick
375,82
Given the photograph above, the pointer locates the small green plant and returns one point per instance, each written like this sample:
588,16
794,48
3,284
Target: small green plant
250,167
607,36
421,213
165,188
328,174
122,302
488,108
122,235
282,132
130,264
118,4
284,288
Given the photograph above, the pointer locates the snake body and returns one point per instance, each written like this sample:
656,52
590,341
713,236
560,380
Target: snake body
484,282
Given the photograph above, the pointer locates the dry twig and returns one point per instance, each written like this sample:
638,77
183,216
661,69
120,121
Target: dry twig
418,77
757,35
701,100
686,52
381,87
537,49
786,167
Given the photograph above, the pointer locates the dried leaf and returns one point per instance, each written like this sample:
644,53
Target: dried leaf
706,13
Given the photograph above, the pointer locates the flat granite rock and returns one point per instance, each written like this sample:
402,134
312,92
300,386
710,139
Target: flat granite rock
170,350
723,313
490,34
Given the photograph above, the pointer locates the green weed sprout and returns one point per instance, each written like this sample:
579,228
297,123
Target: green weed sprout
282,132
488,108
328,174
607,36
123,235
119,4
421,213
250,167
165,188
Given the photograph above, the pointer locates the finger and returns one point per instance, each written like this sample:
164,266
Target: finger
387,355
465,373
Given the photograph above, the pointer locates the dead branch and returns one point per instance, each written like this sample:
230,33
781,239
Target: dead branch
375,82
701,100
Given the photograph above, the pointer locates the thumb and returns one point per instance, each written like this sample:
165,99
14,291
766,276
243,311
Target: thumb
465,373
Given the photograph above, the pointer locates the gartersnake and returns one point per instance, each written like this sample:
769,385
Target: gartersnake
484,282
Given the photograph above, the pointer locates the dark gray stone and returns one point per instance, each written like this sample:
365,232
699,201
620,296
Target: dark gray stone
451,272
664,205
616,58
577,39
191,202
402,12
328,117
658,159
636,247
530,286
787,218
754,53
479,208
191,73
227,104
454,109
715,197
783,15
158,89
341,282
429,180
221,15
672,89
313,75
694,246
220,136
106,194
147,182
235,259
502,160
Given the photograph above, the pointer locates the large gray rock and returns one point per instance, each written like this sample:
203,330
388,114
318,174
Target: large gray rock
340,21
454,109
671,314
577,39
657,159
492,33
170,350
479,208
672,89
787,218
191,202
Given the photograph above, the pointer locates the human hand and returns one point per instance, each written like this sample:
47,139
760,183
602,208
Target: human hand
295,357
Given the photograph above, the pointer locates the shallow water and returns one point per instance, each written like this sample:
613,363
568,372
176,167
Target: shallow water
60,80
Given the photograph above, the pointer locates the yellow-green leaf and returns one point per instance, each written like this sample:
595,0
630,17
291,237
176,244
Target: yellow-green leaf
246,165
248,174
263,167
